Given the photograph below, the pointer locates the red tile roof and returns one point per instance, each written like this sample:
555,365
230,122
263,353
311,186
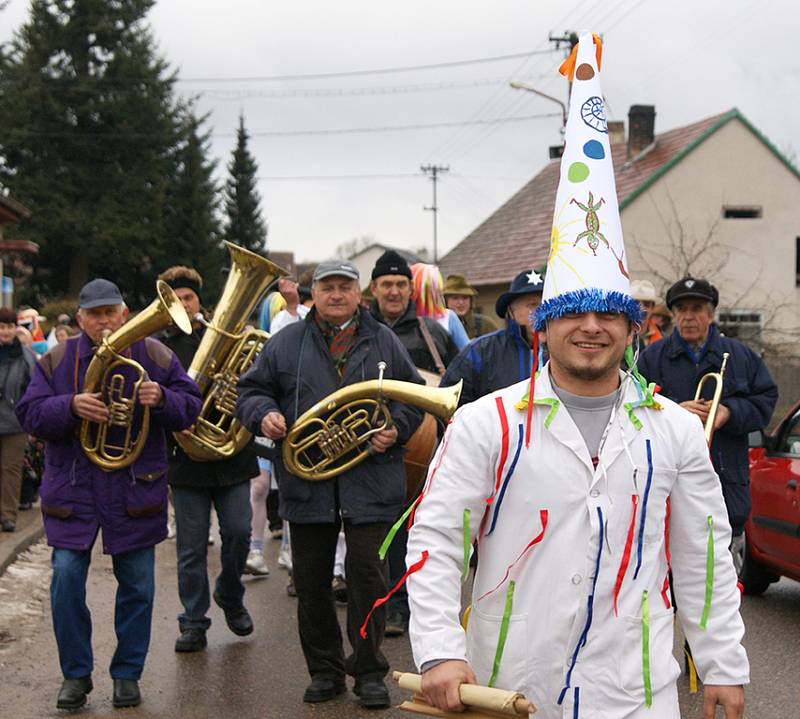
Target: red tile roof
517,235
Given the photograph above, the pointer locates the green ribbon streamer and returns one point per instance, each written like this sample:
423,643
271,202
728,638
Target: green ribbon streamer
395,528
629,407
550,402
501,640
648,690
709,574
467,547
647,391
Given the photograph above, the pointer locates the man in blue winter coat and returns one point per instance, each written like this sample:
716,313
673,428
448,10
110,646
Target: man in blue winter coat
678,363
337,344
503,357
79,498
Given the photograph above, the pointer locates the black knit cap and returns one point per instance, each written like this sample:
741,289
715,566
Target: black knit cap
391,263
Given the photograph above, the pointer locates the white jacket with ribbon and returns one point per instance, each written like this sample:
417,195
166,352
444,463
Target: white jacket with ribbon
571,603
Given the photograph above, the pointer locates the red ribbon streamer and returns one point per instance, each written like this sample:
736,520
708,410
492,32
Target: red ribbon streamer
543,519
501,410
626,555
665,588
382,600
534,367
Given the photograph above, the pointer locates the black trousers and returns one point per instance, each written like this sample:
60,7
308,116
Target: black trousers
313,553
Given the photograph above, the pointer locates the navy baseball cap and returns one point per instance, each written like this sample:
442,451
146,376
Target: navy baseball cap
99,292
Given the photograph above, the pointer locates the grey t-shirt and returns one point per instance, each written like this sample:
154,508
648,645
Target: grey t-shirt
590,414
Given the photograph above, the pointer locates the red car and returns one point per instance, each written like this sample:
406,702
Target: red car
772,546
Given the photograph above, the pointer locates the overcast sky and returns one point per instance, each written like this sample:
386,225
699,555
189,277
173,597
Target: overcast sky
691,59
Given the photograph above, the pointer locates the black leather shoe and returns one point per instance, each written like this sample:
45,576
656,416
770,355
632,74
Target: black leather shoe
395,625
323,689
372,693
126,693
237,618
191,640
73,693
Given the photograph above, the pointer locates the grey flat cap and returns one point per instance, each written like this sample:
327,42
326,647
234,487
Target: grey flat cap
99,292
342,268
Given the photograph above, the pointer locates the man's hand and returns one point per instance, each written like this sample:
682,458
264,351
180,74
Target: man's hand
273,425
384,439
698,407
289,291
440,684
150,394
730,698
89,405
723,415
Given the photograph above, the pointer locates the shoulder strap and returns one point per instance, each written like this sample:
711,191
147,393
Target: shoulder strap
426,335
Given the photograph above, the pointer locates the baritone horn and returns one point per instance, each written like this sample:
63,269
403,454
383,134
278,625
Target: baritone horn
112,444
334,435
224,355
715,377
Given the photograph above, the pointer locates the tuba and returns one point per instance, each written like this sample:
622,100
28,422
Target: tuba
112,444
224,354
334,434
715,377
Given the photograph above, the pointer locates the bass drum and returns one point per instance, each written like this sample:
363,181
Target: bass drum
421,446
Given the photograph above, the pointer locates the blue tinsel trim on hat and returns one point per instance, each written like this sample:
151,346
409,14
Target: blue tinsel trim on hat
587,300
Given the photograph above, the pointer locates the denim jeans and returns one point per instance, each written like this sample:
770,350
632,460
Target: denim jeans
192,521
133,611
313,553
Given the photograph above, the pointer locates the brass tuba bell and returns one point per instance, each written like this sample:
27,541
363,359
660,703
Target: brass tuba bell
102,376
224,354
716,378
333,436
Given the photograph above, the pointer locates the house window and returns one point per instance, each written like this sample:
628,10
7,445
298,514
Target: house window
741,212
744,325
797,261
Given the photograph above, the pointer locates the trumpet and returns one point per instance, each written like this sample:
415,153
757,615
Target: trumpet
334,435
104,375
715,377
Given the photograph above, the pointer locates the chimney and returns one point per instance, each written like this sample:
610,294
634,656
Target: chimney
641,126
616,132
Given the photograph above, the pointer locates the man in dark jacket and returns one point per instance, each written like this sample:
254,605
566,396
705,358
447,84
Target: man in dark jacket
393,306
196,486
337,344
16,367
694,349
78,497
432,349
504,357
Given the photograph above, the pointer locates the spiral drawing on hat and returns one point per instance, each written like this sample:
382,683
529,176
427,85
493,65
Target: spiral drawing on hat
593,113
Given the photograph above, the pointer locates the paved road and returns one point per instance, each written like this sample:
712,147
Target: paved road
264,675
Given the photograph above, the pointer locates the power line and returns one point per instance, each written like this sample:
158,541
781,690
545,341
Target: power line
380,176
369,90
21,132
354,73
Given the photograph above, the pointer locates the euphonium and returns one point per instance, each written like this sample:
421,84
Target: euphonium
224,354
334,435
715,377
101,377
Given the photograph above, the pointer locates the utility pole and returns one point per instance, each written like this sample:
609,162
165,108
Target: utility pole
434,171
570,39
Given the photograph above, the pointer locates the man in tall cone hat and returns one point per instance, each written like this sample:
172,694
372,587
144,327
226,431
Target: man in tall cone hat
582,489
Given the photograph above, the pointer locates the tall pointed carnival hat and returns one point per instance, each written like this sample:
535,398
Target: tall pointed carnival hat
586,269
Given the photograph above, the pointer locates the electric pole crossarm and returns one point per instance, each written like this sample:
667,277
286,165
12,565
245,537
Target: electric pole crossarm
434,171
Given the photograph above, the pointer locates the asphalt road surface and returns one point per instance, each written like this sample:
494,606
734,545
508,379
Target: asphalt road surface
264,675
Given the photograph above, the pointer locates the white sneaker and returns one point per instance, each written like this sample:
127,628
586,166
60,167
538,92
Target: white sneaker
285,558
255,564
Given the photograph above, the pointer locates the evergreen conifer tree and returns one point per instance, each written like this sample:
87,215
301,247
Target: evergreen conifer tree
244,224
87,125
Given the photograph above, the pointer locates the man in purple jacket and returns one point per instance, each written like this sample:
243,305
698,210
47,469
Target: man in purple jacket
78,497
